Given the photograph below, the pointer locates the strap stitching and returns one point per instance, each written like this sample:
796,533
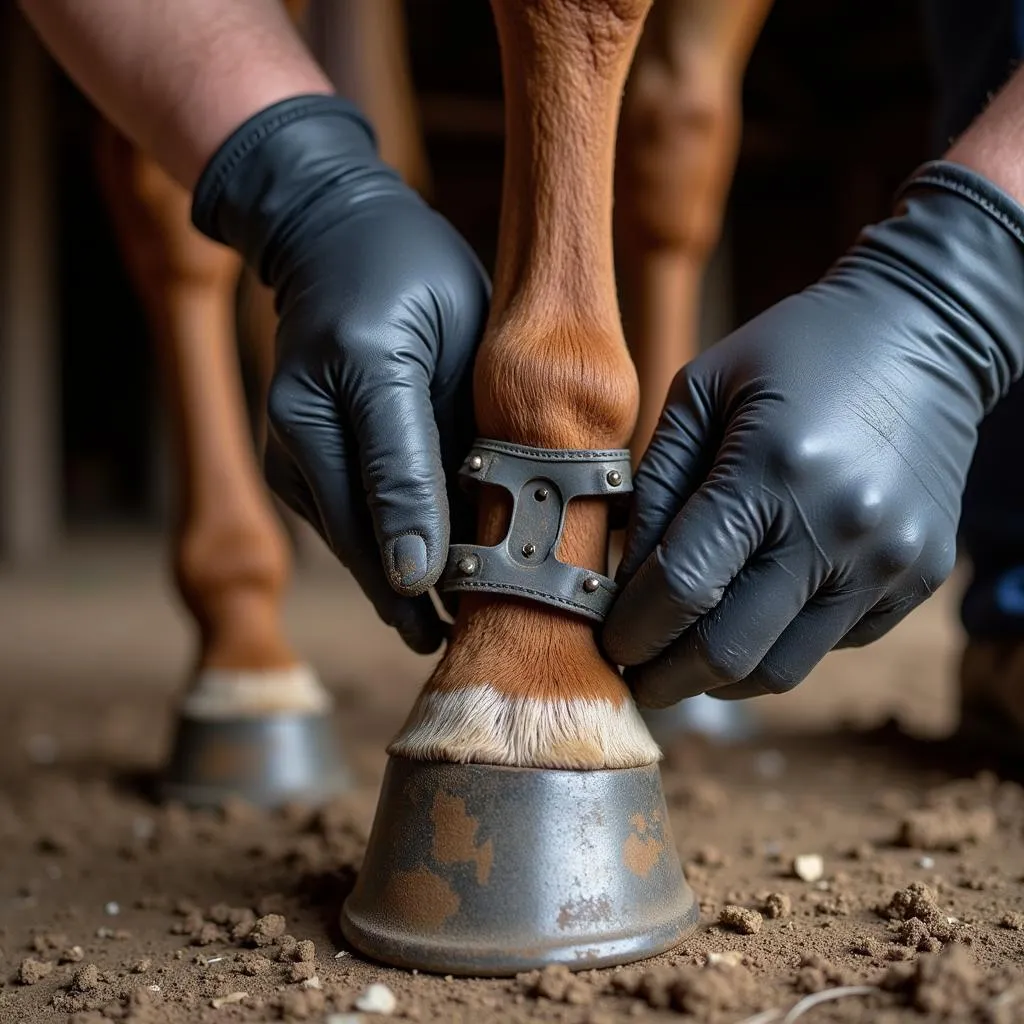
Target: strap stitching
554,454
933,175
526,591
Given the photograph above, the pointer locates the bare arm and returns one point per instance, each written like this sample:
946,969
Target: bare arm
994,143
177,76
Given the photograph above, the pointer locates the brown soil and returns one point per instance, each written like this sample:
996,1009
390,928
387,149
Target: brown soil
115,909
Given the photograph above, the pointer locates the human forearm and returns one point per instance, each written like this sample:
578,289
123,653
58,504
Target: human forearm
178,76
994,144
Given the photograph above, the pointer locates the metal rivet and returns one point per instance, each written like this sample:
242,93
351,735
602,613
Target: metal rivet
614,477
541,494
591,583
468,565
529,548
476,463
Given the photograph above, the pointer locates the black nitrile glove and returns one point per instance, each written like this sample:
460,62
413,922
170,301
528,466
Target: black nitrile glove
803,488
381,306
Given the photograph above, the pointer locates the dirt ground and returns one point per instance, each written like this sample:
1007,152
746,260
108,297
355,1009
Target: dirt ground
115,909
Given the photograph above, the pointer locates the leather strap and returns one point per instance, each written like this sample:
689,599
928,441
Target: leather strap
541,481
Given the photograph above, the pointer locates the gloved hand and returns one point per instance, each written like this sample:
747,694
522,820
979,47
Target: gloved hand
803,488
381,306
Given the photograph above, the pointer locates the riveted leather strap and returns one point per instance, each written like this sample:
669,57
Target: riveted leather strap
541,481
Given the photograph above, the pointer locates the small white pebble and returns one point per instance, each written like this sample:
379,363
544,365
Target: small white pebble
104,933
926,862
377,998
809,866
41,748
231,997
730,957
770,764
153,988
448,977
823,885
415,970
952,920
313,982
112,909
215,959
341,953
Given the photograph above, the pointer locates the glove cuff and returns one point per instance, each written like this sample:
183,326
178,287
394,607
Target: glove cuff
273,166
965,237
969,185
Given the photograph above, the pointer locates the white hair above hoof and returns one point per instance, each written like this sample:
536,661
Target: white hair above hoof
224,693
483,725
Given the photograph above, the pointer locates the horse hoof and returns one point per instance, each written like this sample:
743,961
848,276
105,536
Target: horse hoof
265,738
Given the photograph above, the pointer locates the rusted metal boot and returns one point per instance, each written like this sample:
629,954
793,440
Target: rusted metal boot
486,870
266,738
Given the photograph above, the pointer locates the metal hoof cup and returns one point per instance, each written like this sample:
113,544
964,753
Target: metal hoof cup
483,870
266,760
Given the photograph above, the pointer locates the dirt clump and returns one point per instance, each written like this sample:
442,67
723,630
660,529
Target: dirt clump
303,1004
48,943
256,965
946,828
776,905
301,971
817,974
741,919
86,979
921,918
558,984
239,920
713,993
267,930
304,951
31,971
949,986
916,934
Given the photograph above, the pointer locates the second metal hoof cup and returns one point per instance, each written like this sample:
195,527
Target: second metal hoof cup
483,870
266,760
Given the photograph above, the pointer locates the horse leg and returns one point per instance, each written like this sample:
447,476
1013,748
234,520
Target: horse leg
523,685
677,149
252,703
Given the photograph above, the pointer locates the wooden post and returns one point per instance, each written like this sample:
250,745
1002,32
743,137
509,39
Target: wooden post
676,154
524,684
30,454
